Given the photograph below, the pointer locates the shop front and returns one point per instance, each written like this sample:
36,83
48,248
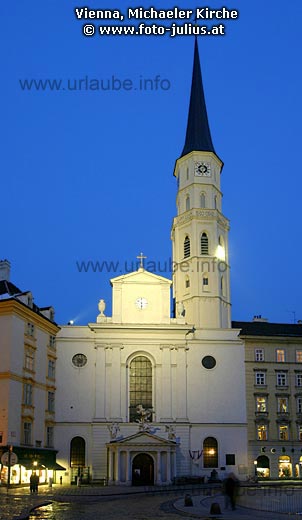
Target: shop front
42,462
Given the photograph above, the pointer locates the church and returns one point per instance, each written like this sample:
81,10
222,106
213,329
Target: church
166,389
152,394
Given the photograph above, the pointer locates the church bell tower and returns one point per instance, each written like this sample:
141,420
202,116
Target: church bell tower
201,278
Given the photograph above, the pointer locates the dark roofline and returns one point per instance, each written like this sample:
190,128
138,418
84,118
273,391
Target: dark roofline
264,328
35,309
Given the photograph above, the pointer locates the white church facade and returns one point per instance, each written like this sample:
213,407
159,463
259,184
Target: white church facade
143,397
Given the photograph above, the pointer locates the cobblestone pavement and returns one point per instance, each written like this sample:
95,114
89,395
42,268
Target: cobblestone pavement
91,503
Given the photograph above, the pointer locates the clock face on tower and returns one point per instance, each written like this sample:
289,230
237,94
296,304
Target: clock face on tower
202,169
141,303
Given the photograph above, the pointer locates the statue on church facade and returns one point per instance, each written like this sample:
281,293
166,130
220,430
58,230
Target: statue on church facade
114,429
144,420
170,430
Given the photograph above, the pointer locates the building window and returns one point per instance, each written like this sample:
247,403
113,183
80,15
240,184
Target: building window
51,402
262,432
202,200
30,329
29,361
215,202
77,452
140,386
187,203
52,341
259,354
187,282
187,174
282,405
205,283
49,436
299,432
283,432
260,378
299,404
261,404
51,373
204,244
27,429
187,247
299,379
210,453
298,356
281,379
28,394
280,356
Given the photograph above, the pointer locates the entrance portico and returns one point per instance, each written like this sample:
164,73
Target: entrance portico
141,459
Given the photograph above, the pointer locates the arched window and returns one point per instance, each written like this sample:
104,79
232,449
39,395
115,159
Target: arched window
202,200
187,247
187,174
140,386
210,453
77,452
187,203
204,244
215,202
187,282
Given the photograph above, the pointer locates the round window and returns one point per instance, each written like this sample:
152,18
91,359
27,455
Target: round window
79,360
208,362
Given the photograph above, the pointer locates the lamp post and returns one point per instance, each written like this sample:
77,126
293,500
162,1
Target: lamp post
255,466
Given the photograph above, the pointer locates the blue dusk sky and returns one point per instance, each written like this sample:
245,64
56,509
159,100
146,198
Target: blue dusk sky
88,174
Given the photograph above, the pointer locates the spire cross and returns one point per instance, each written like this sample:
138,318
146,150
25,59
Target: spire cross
141,257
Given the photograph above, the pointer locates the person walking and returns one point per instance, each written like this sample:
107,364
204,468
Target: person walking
230,486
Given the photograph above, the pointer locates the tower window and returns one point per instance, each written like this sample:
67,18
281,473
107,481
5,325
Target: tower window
202,200
222,286
187,247
187,203
187,282
215,202
187,174
204,244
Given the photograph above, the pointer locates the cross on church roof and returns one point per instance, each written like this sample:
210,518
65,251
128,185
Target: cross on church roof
141,257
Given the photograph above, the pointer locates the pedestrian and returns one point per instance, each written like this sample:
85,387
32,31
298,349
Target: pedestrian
61,480
230,486
36,483
32,482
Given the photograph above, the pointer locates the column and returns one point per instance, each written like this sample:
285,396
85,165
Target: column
166,384
158,468
116,466
128,469
100,383
110,466
182,414
168,474
115,383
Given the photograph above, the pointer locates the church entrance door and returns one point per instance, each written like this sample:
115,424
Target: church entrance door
142,470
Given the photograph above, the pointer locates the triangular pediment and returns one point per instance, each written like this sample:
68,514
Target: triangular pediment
141,277
143,439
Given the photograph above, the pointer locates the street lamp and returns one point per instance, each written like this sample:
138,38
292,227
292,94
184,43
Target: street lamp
255,466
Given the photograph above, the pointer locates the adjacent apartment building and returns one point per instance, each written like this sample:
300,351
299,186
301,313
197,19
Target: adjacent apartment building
273,360
27,381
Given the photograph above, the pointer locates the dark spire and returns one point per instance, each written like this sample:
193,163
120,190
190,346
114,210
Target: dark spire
198,137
